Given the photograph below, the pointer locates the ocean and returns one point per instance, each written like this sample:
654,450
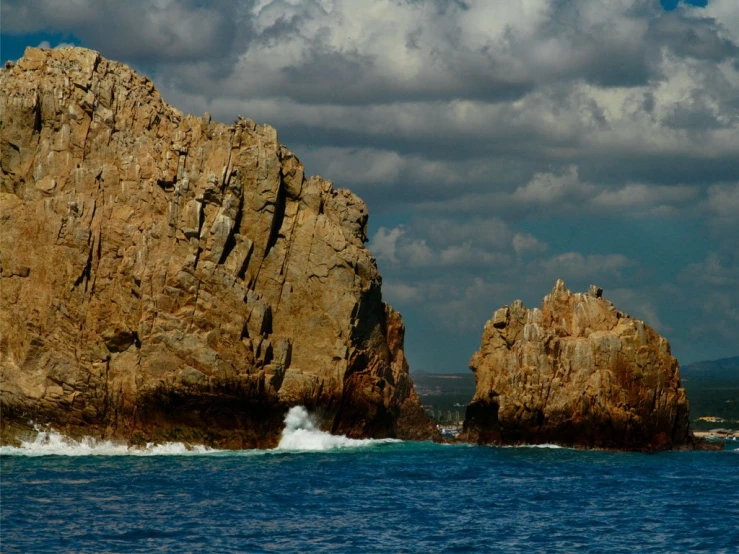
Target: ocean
320,493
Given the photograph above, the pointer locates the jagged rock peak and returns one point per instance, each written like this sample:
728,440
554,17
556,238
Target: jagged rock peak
577,372
167,277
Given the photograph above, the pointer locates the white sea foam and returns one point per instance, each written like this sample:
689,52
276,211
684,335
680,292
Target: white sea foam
301,434
52,443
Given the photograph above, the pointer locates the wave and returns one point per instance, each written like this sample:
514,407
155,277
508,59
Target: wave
301,434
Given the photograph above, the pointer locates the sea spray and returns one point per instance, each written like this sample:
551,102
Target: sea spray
303,435
52,443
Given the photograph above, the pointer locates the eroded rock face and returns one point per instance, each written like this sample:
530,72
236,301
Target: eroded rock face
576,372
167,277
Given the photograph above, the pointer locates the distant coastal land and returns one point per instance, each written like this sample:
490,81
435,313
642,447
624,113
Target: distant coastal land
713,389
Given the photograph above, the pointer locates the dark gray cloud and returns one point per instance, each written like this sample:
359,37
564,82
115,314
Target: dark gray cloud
698,37
168,31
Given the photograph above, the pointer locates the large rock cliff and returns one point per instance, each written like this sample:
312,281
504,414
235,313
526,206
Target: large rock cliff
576,372
167,277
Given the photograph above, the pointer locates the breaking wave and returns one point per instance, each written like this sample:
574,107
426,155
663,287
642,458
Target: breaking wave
300,434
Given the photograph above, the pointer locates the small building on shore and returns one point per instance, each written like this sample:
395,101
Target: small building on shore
712,419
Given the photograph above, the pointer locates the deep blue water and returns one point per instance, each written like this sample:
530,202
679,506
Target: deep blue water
373,497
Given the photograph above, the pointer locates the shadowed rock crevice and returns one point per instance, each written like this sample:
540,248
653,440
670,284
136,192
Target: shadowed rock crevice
277,219
227,286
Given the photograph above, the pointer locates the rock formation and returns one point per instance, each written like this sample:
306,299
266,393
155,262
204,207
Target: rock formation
576,372
165,277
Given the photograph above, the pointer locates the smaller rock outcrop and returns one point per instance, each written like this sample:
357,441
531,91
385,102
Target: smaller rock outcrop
576,372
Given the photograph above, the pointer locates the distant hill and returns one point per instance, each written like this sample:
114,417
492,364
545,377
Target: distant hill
713,390
713,370
434,384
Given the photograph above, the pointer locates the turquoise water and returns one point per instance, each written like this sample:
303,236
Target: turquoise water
319,494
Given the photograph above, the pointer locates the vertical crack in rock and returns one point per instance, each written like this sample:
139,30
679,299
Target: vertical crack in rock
230,243
277,218
36,115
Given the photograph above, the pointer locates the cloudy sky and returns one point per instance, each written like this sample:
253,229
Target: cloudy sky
499,145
